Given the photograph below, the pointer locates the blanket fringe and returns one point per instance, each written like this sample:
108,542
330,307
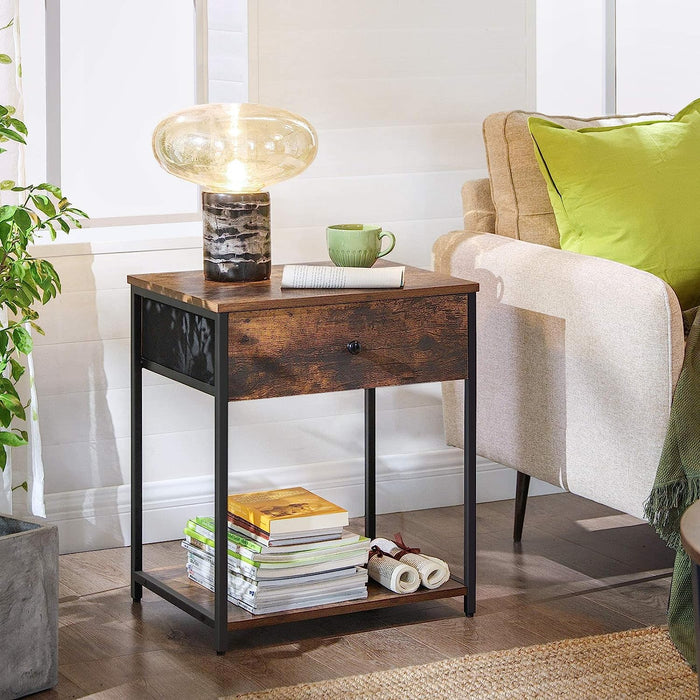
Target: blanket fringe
665,506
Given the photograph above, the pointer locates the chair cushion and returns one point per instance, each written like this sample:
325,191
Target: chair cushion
518,190
629,193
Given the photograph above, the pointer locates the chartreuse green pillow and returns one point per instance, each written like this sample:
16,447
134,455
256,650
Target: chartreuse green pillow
629,193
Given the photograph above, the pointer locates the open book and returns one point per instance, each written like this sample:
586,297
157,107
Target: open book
323,277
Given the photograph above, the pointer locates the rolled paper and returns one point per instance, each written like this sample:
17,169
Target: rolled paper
392,574
432,572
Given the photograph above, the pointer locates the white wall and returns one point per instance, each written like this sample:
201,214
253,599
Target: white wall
657,55
397,92
571,57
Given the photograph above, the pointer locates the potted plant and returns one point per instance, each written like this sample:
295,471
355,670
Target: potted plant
28,547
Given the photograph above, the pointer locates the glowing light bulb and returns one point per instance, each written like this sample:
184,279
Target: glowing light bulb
236,176
234,147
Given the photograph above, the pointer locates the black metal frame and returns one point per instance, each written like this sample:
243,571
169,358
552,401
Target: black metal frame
470,461
695,578
220,390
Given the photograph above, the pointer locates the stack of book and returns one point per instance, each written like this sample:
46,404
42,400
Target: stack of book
287,549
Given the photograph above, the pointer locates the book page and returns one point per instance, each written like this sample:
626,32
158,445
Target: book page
323,277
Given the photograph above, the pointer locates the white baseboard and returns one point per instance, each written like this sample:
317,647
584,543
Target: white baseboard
100,518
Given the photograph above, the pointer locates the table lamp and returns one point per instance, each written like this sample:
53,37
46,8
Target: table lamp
234,152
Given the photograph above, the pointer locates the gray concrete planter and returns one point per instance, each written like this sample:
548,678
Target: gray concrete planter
28,606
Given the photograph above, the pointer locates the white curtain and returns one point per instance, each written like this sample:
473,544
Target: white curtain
12,168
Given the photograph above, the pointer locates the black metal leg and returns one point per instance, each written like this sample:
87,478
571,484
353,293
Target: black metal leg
370,464
221,483
470,461
695,574
521,489
136,447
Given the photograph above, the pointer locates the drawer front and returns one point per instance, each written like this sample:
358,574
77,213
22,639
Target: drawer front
304,350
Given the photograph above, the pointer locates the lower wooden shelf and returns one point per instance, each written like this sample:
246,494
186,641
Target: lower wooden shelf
378,597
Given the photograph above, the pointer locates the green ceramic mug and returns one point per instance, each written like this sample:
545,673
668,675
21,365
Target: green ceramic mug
357,245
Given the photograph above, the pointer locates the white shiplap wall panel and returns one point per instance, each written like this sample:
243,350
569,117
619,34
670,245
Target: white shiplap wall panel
397,90
385,150
376,198
383,101
367,15
92,423
90,273
364,53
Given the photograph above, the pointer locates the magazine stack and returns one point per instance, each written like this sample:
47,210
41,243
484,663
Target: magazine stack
287,549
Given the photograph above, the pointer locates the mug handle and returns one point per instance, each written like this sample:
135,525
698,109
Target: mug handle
391,247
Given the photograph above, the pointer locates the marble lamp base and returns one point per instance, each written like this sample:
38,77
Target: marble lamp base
236,236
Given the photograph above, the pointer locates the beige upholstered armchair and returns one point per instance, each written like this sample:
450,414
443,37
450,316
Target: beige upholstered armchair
577,356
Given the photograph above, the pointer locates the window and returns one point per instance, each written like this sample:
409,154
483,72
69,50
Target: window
97,77
658,51
617,56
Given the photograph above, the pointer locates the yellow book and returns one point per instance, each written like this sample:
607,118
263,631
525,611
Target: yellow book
281,511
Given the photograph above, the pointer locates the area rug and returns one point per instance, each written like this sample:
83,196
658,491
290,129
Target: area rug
634,664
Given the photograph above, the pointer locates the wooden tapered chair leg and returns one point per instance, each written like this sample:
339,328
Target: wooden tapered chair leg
521,489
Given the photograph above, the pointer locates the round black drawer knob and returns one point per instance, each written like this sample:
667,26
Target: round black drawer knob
354,347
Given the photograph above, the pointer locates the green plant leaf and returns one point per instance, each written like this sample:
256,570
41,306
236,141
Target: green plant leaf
55,191
8,25
77,211
11,439
14,405
7,212
22,340
12,135
3,458
7,184
17,369
23,219
63,225
19,125
44,204
4,58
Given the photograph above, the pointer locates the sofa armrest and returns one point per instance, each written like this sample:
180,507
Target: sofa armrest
577,361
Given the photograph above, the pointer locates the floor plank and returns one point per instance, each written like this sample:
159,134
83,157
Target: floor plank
581,569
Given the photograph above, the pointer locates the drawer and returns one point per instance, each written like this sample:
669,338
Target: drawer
304,350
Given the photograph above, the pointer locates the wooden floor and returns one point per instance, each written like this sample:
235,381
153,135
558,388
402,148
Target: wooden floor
581,569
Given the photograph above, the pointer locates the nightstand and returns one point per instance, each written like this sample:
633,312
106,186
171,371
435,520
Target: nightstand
255,340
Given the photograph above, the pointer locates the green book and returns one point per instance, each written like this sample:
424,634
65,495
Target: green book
356,545
196,535
208,524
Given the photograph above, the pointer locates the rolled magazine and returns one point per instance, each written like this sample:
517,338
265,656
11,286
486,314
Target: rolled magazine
392,574
432,572
329,277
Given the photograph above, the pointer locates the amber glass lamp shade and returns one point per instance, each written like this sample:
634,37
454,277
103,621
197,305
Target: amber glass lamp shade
234,152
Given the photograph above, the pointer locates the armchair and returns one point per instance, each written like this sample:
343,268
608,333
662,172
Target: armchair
578,356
